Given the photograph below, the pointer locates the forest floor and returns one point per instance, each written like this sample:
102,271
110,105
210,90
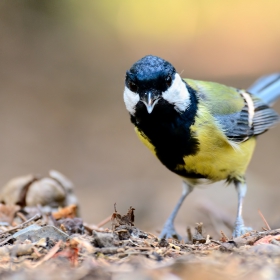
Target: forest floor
44,242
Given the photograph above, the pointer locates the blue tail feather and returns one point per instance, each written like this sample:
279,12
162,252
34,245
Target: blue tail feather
267,88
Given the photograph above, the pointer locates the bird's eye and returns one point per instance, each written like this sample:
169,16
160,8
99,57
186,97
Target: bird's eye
168,80
133,87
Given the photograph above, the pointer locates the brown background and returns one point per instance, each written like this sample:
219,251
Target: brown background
62,67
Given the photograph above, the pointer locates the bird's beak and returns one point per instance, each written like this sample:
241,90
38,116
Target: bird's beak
150,100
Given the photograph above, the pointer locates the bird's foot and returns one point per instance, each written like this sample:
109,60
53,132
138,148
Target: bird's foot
169,231
239,228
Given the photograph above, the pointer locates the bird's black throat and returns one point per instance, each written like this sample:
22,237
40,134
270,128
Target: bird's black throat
169,131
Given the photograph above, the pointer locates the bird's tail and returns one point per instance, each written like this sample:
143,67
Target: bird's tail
267,88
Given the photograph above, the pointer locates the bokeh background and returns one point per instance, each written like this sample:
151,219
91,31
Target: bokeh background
62,68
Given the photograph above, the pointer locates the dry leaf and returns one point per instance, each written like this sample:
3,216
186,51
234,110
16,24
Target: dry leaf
198,235
264,240
267,239
118,220
66,212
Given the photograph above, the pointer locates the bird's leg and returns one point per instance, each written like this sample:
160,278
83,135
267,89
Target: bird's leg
239,228
168,230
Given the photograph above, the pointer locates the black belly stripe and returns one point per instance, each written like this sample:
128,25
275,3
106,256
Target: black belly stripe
169,131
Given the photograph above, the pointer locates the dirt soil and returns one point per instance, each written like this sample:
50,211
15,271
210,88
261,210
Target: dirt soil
49,241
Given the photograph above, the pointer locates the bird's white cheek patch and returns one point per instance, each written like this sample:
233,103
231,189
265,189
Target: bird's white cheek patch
130,100
178,94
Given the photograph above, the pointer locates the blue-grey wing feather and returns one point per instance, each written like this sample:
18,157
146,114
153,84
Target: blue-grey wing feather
263,92
236,126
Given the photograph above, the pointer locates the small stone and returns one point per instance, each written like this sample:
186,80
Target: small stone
102,239
42,232
27,229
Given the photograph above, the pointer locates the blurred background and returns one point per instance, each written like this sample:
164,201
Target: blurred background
62,68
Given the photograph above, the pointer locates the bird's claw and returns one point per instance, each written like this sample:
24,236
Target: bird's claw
169,231
239,228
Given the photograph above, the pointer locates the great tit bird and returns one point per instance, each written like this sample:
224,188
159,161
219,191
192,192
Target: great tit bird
202,131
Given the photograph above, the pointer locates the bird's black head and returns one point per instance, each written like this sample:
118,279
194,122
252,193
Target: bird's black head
150,73
150,80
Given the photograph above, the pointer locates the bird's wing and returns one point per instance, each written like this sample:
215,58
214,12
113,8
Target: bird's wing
264,116
239,113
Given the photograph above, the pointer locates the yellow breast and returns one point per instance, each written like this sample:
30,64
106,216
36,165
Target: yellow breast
218,158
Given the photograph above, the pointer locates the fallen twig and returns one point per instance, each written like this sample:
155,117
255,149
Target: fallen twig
20,226
19,214
50,254
224,238
264,220
104,222
268,232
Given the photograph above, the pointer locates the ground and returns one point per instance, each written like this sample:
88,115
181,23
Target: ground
47,242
